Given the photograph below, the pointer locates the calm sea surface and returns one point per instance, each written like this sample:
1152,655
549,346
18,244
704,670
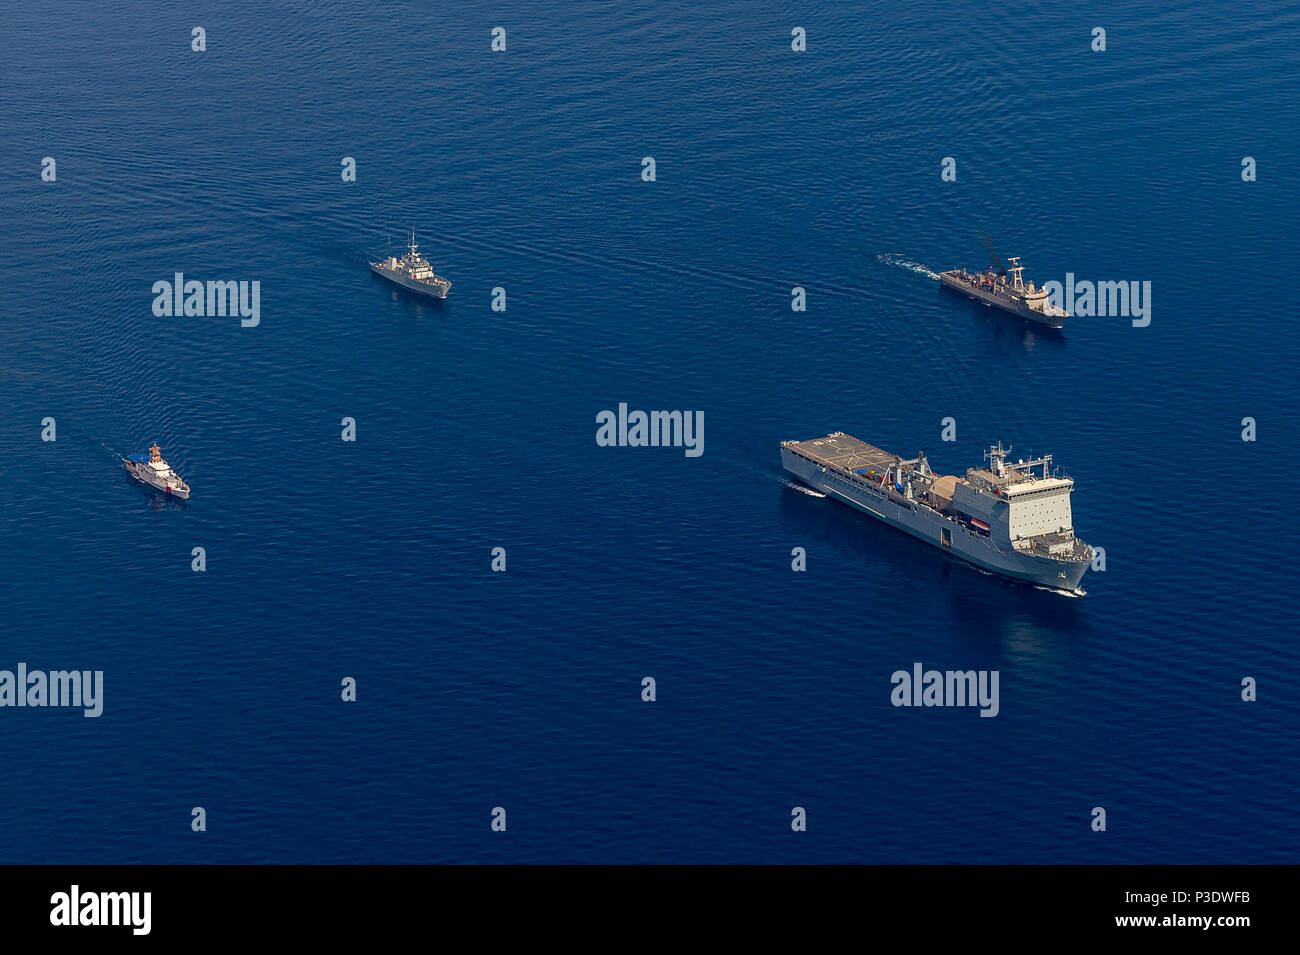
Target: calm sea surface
475,429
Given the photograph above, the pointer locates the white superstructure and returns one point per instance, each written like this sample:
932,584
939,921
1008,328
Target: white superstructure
157,473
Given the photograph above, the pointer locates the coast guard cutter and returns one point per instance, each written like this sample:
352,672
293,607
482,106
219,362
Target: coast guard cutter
151,469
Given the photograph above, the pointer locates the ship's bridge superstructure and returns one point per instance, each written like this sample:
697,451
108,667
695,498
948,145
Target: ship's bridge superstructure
1035,298
1037,501
414,264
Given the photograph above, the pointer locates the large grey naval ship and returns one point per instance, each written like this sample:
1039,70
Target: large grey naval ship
1014,296
1007,518
151,469
412,271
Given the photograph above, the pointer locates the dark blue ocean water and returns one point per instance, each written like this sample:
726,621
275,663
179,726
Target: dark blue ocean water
475,429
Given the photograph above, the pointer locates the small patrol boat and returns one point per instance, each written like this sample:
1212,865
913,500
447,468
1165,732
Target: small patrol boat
151,469
412,271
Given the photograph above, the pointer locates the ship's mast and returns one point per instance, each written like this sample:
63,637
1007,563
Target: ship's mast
1015,271
1045,461
996,456
155,454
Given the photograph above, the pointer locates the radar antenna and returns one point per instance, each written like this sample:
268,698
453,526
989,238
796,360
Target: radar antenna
1015,270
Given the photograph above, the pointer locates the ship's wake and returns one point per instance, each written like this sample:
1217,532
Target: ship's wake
893,258
780,478
804,488
1072,594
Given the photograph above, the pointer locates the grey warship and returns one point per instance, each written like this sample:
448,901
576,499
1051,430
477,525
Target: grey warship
412,271
1014,296
1006,518
151,469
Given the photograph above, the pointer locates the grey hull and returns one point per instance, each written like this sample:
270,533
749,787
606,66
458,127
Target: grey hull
933,528
988,298
433,291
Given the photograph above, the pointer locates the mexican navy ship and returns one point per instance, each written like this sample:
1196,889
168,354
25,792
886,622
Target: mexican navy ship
412,271
151,469
1008,518
1014,296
